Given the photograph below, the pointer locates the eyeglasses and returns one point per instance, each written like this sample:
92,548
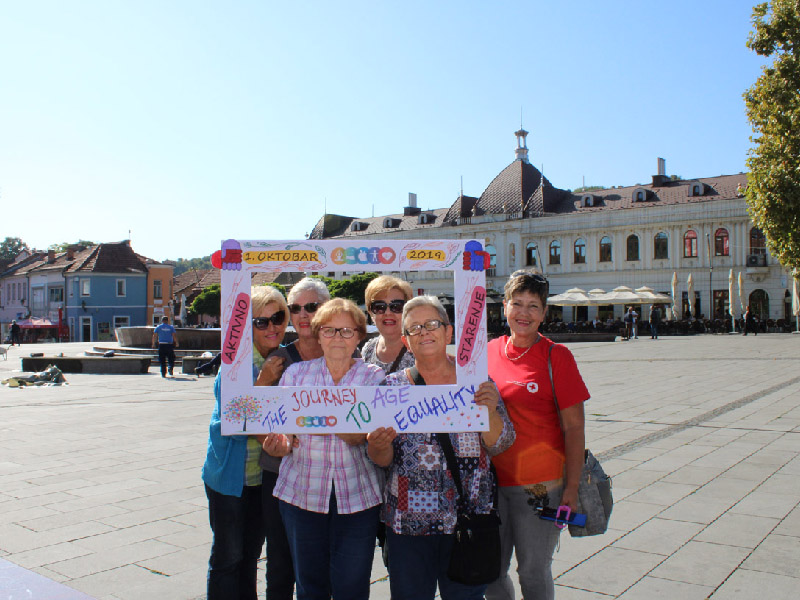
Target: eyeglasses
431,325
379,307
345,332
310,307
263,322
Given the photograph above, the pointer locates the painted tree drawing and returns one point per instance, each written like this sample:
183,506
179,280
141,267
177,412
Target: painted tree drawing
241,409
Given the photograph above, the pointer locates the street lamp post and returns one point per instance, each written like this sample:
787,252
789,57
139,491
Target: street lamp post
710,277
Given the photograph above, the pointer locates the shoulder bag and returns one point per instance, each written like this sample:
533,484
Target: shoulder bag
475,557
595,499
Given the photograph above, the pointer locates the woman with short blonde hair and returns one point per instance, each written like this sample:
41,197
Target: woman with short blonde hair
385,298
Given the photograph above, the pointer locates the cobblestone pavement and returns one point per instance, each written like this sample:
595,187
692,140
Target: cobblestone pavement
101,497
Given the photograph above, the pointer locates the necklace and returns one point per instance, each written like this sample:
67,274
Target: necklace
526,349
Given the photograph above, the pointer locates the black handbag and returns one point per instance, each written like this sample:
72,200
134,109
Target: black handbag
595,499
475,557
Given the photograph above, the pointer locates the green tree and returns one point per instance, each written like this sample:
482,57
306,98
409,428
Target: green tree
588,188
208,301
278,286
63,246
11,247
186,264
352,288
773,108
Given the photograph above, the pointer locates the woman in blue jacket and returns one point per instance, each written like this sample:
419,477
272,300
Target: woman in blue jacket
231,472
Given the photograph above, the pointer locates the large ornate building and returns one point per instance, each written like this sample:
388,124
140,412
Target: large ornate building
634,236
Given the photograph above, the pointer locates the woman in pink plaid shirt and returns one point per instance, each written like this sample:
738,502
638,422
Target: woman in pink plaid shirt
329,490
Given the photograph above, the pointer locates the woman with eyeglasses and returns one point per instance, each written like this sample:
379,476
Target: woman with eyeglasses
328,490
543,466
385,297
231,473
420,496
304,299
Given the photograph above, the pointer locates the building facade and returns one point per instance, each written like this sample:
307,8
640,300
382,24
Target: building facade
629,235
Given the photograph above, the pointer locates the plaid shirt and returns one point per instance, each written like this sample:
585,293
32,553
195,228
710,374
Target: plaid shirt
322,462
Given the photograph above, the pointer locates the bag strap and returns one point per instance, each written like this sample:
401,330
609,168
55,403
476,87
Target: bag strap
450,456
553,386
397,360
415,376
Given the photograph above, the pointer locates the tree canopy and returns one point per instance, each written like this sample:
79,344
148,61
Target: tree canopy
11,247
186,264
352,288
64,246
773,108
208,301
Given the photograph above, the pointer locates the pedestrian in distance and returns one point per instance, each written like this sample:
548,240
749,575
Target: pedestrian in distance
655,321
166,341
15,329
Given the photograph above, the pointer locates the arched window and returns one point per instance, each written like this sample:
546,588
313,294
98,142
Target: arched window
758,243
531,250
492,260
661,245
579,255
721,247
555,252
605,249
690,244
633,247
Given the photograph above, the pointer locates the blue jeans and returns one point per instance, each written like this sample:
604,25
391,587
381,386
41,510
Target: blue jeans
280,571
418,562
332,552
238,538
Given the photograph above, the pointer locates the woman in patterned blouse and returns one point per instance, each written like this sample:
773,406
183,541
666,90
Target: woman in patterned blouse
420,497
329,491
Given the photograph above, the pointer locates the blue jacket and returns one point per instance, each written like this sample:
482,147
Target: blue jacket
223,470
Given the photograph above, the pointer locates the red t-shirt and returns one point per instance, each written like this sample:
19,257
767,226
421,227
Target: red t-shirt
537,455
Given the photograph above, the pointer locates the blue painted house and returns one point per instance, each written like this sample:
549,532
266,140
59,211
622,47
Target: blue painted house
106,288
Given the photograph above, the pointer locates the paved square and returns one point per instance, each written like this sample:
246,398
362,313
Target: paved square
101,497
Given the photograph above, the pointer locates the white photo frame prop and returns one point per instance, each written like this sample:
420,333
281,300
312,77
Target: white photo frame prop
247,409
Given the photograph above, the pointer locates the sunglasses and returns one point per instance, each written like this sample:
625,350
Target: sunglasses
535,277
378,307
345,332
431,325
263,322
310,307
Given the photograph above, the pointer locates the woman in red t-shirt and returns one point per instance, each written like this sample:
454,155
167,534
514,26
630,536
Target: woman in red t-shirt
543,466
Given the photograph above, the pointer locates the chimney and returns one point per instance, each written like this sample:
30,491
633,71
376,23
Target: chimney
70,253
51,256
661,179
411,210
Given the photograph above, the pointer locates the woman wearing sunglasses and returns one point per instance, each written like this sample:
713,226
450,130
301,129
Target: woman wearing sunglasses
543,466
232,475
304,299
420,497
385,297
329,491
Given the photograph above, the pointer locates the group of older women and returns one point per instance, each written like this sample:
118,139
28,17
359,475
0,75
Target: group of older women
318,499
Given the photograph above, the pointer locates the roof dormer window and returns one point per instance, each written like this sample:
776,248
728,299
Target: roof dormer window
426,219
639,195
390,223
588,200
359,226
697,189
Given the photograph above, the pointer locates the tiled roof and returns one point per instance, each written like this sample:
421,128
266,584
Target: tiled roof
673,192
115,257
25,265
195,281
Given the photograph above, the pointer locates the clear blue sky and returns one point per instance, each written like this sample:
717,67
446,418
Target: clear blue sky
189,122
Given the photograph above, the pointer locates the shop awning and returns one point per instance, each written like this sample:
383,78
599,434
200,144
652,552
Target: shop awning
36,323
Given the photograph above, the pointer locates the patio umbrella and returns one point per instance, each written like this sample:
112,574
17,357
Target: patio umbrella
572,297
742,300
622,295
652,298
595,296
730,295
796,300
674,295
690,295
184,313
